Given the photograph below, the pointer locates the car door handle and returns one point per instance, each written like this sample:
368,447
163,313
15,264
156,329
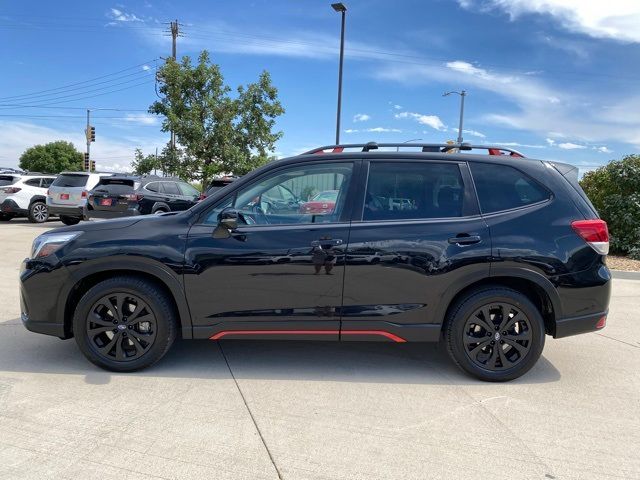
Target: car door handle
328,241
465,239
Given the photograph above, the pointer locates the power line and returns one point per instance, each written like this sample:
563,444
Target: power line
80,83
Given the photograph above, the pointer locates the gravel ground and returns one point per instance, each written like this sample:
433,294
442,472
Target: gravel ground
623,263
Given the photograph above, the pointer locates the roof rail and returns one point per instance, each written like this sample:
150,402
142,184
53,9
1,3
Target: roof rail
426,147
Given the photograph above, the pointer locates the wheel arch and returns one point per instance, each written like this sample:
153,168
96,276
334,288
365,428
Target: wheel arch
534,286
89,276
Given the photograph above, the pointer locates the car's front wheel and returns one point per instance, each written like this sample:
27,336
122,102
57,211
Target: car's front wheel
495,334
124,324
38,212
69,220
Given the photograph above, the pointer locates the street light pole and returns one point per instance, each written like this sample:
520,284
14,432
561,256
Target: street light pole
462,94
339,7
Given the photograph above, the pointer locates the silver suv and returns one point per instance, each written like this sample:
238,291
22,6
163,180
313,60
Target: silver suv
68,194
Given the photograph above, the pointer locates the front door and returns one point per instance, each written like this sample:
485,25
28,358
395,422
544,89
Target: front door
417,238
280,273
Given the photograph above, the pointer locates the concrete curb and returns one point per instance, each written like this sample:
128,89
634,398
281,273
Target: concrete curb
625,275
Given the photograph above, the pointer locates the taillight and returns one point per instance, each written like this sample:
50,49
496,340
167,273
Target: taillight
595,233
84,194
12,190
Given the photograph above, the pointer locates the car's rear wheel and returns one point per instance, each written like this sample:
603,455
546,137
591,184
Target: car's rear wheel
495,334
69,220
124,324
38,212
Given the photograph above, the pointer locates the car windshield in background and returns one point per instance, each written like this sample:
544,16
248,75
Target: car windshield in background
7,180
70,181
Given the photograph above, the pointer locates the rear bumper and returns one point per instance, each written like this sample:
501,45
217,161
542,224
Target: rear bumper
573,326
70,211
10,206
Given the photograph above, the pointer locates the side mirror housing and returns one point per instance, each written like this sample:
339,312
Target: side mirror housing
227,223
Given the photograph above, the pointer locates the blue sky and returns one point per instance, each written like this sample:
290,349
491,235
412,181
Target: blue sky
555,79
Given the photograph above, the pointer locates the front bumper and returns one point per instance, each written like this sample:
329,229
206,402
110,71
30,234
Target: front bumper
42,299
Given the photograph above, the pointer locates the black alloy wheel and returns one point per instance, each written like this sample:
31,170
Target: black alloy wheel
121,327
497,336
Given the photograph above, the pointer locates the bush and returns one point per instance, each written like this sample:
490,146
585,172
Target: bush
615,192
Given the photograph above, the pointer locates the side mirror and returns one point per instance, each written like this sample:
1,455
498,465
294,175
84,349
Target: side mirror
227,223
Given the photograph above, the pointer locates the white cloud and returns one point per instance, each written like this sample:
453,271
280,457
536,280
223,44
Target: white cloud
110,154
603,149
121,16
432,121
614,19
142,118
571,146
361,117
474,133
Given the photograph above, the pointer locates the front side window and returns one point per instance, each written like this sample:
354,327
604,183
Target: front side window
501,187
413,190
286,196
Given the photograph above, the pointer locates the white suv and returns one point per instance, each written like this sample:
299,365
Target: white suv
24,196
67,196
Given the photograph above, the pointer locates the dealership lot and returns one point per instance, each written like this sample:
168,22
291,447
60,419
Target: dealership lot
245,409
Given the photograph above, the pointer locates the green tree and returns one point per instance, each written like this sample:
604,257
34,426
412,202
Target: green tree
614,190
220,133
144,164
54,157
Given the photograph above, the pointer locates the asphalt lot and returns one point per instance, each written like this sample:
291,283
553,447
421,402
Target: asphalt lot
296,410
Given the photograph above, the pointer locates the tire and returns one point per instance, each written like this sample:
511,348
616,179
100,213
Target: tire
38,212
118,343
69,220
502,349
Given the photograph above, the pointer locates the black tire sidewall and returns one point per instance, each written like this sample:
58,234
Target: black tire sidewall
155,299
467,306
32,218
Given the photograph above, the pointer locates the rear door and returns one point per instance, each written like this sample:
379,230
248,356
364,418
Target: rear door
417,238
68,188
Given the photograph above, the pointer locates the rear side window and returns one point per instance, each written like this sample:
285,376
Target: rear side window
70,181
7,180
501,187
413,190
171,188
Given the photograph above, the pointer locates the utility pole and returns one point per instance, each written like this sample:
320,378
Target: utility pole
87,159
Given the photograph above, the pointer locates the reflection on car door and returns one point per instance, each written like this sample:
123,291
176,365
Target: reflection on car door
419,232
278,274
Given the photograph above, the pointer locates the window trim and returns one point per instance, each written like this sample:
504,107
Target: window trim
512,209
470,209
345,215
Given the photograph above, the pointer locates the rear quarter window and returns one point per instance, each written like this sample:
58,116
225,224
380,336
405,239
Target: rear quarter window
70,181
501,187
7,180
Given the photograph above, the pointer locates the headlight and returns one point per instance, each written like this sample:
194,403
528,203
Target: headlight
48,243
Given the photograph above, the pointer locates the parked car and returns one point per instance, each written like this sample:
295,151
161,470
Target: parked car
24,196
67,195
122,196
322,203
495,253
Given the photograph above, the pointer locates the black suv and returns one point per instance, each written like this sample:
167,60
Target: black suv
123,196
486,253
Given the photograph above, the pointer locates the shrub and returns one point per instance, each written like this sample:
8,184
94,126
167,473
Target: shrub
614,190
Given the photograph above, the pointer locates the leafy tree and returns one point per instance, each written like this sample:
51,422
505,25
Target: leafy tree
614,190
54,157
144,164
220,133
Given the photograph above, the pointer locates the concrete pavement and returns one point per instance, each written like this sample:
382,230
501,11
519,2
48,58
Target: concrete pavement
312,410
